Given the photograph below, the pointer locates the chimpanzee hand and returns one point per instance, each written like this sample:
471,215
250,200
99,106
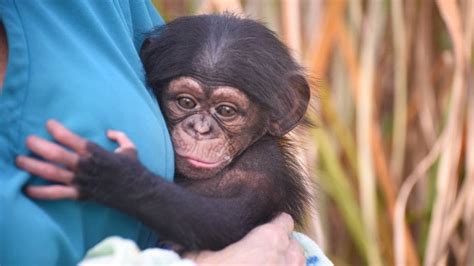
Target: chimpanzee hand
83,172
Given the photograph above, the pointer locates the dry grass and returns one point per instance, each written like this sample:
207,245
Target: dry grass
394,152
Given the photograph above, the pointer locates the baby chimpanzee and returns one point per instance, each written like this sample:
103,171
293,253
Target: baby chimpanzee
230,91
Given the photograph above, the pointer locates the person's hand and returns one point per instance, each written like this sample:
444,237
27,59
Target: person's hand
63,163
268,244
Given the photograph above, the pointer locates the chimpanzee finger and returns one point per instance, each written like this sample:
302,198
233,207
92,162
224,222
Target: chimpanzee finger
45,170
67,137
52,152
126,146
52,192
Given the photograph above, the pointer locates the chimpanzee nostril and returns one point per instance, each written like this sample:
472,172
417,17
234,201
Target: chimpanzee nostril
202,127
198,126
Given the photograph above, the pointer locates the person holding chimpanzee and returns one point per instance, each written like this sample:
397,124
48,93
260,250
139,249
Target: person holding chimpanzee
222,120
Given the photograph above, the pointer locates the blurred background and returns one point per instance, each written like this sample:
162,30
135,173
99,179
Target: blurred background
393,150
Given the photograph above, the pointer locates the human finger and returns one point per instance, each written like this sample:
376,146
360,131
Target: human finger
52,151
284,221
45,170
126,146
52,192
294,255
67,137
271,235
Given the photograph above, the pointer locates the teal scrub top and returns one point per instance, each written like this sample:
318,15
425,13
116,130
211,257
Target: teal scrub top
77,62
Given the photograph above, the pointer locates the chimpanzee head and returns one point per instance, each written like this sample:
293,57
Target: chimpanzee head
223,82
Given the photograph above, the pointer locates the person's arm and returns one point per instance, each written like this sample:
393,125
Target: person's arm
268,244
3,55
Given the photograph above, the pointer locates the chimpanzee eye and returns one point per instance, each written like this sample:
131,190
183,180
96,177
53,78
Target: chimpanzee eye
226,111
186,102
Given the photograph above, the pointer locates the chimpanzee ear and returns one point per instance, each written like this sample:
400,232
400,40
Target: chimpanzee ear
291,106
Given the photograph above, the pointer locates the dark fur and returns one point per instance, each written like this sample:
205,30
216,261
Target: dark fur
226,50
266,179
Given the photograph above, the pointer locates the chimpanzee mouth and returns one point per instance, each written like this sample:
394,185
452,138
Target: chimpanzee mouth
198,163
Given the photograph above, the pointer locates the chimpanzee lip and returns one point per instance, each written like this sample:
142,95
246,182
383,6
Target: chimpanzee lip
199,163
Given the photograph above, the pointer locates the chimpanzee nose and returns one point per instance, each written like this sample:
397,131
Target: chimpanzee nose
202,127
198,125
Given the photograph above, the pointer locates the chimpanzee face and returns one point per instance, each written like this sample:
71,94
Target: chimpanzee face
209,126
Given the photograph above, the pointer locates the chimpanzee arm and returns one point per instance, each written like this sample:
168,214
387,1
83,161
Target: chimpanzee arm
179,215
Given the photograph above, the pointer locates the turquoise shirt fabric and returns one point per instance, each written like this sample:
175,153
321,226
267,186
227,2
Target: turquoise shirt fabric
77,62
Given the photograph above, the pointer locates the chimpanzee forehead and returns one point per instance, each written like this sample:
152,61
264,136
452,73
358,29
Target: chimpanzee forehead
186,83
230,94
